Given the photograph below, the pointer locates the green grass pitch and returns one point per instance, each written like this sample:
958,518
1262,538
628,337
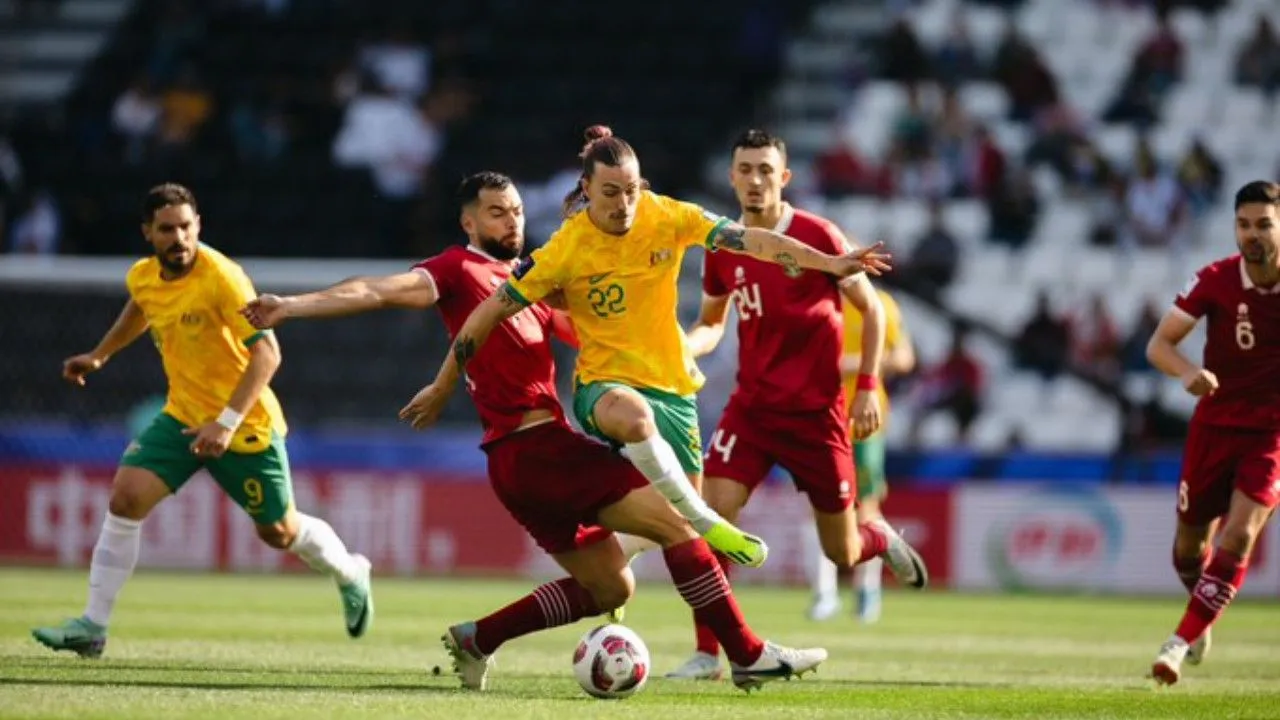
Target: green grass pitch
210,646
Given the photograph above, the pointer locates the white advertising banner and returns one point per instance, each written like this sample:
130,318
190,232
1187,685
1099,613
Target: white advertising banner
1075,537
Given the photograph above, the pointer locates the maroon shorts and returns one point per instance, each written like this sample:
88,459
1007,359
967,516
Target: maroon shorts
553,481
1218,460
812,446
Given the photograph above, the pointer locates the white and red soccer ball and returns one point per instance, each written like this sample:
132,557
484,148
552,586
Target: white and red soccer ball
611,662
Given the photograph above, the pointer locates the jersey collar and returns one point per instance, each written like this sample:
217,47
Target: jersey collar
1247,283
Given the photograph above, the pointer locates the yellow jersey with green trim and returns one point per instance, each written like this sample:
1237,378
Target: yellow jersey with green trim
621,292
203,341
894,333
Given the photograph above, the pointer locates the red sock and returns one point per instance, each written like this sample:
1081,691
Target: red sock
1213,593
698,578
707,642
552,605
1190,569
874,541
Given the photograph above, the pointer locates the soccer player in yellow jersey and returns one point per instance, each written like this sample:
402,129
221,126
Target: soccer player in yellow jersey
616,261
869,454
220,415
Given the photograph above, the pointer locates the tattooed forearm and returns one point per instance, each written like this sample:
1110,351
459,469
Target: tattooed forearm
730,237
788,263
464,348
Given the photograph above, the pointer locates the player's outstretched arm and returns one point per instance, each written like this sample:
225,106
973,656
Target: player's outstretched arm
413,289
425,407
774,247
707,332
1164,355
130,324
214,437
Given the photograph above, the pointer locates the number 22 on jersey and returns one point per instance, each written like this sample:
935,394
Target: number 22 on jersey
607,300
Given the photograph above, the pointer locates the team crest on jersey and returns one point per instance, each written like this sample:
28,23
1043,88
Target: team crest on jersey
739,275
657,257
191,319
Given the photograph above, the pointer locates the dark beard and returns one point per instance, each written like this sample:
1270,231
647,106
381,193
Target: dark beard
499,251
173,265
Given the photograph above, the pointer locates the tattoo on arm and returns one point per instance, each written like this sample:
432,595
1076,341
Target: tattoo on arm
464,348
788,263
730,237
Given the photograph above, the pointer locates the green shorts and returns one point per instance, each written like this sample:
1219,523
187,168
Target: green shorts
868,458
676,416
258,482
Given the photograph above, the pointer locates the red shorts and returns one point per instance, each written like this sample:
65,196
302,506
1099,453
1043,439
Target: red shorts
553,481
1218,460
813,446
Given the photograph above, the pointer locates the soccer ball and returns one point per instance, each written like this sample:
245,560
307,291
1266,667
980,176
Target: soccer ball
611,662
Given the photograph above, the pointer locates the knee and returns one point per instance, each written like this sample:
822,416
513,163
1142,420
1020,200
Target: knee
127,504
726,497
613,591
636,429
278,535
1189,551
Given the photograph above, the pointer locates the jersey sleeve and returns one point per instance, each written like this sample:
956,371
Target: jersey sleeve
131,278
236,292
696,225
832,242
540,274
1195,297
443,273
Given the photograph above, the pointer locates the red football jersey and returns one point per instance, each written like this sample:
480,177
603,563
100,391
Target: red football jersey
1242,345
514,371
790,327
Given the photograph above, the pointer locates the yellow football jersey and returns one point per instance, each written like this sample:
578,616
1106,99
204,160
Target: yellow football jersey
894,333
621,292
204,342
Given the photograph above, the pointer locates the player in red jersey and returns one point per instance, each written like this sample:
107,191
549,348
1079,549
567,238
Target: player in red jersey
568,491
789,406
1231,460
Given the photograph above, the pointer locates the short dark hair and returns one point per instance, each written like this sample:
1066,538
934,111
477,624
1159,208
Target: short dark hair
166,195
603,147
469,190
756,138
1258,191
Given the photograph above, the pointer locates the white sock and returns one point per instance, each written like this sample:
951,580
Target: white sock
633,545
822,574
866,576
114,558
321,548
655,459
